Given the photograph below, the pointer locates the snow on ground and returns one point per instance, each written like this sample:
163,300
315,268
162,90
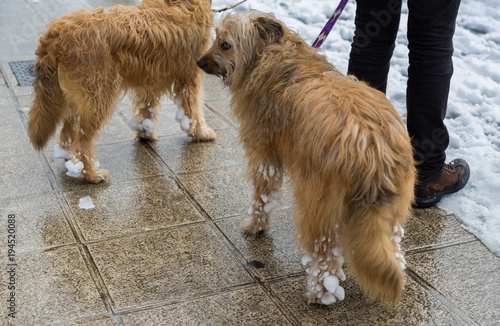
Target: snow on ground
473,118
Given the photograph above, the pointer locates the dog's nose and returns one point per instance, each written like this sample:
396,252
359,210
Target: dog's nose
202,64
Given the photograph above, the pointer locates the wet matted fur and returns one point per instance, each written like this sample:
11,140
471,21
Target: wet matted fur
345,147
85,60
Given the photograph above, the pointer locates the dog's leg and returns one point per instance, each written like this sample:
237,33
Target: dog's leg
318,221
267,181
189,114
324,262
67,135
82,159
146,116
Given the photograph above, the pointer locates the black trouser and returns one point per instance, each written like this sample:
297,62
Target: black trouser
431,25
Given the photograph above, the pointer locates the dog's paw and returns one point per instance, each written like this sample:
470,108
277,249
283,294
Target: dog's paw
144,128
152,137
324,277
96,176
253,226
204,134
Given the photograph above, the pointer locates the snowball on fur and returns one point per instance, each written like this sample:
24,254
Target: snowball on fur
179,115
331,283
328,298
340,293
74,168
185,124
132,124
60,152
149,126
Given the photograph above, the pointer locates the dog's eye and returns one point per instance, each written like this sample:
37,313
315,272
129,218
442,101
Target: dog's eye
225,46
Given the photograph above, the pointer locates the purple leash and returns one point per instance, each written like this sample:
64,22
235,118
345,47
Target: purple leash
329,25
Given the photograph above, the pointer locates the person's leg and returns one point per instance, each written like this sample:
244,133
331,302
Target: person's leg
431,25
377,23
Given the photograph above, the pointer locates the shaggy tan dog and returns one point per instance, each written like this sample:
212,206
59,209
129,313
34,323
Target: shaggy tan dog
87,58
346,149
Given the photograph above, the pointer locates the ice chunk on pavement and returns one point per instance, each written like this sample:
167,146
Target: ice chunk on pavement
60,152
86,203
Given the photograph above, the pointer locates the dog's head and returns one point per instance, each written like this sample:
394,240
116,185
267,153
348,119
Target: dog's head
240,40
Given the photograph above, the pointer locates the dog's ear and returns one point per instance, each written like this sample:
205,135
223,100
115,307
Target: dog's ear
270,30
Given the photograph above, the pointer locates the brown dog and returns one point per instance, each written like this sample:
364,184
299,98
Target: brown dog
85,59
346,149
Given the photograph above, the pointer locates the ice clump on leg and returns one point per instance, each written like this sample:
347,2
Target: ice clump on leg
149,127
397,238
144,127
74,167
60,152
132,124
185,123
181,116
324,273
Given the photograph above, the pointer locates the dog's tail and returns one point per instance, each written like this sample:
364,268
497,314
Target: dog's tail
49,104
373,253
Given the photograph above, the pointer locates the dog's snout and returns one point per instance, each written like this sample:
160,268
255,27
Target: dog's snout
202,64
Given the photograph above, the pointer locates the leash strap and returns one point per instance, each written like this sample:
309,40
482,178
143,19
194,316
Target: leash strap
329,25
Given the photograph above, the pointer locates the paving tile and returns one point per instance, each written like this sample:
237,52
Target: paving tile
53,286
183,155
222,106
124,161
131,207
221,193
433,227
39,222
25,101
213,89
22,175
248,306
166,265
94,322
417,307
4,92
14,140
8,111
22,90
50,9
272,254
224,192
467,274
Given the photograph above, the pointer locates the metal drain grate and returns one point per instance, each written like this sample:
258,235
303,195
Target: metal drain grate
23,70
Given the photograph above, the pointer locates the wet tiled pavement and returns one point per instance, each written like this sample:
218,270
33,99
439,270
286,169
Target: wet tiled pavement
164,243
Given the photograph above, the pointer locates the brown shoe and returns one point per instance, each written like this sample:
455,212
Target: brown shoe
455,176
